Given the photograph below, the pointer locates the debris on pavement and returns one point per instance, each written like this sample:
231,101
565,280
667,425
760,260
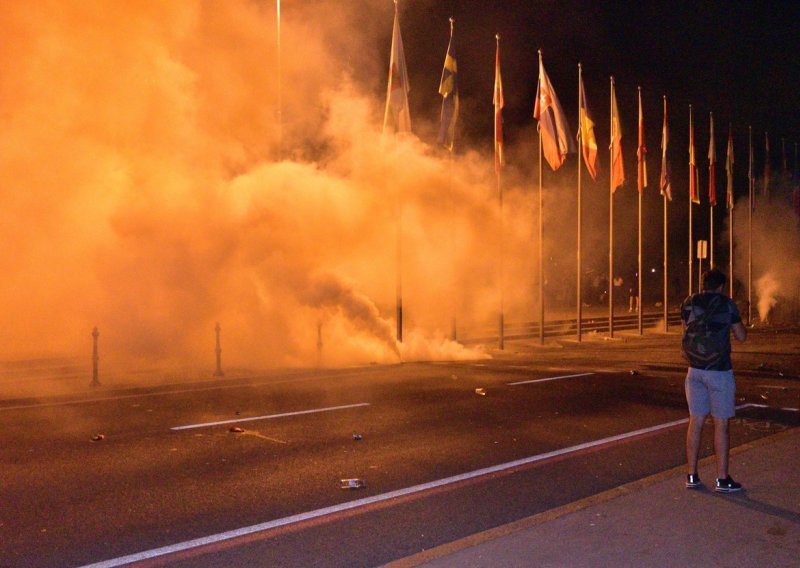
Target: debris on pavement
236,430
481,392
357,437
634,372
353,483
98,437
764,397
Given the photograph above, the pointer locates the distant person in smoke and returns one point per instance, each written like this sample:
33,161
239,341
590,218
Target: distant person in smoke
709,317
633,294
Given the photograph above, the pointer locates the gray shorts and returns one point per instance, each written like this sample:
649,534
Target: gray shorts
711,392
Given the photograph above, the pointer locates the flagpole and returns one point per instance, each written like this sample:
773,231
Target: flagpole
498,166
453,254
541,234
711,180
579,307
541,249
501,322
750,232
691,182
666,240
729,199
641,182
611,219
280,80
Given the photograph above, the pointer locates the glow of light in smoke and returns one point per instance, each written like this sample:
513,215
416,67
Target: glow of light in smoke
776,250
766,288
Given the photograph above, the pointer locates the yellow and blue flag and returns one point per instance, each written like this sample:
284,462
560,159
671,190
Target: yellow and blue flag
448,88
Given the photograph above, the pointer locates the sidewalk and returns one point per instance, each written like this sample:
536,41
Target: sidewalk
657,522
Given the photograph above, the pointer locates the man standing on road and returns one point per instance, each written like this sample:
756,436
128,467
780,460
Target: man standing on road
708,320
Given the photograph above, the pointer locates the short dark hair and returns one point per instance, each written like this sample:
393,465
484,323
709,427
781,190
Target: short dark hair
713,279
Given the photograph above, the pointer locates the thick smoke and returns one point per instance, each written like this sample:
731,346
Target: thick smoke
146,189
776,249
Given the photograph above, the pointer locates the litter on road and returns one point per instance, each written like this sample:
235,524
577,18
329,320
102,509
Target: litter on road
481,392
353,483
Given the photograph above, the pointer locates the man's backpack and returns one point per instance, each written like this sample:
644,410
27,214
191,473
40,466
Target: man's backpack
701,347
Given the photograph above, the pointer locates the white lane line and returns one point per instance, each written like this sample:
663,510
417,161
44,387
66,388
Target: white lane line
550,379
257,383
293,519
269,416
754,405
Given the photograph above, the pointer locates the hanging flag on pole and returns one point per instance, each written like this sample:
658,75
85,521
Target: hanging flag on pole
617,168
397,117
588,139
767,168
448,88
665,183
694,191
498,101
556,143
641,152
784,164
729,169
712,164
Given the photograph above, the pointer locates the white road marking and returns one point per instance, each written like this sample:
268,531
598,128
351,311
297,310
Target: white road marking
550,379
269,416
257,383
300,517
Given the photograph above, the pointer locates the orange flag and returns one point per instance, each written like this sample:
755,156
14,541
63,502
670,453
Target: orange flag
617,168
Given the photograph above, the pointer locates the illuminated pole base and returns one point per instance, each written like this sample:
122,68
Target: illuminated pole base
95,359
218,372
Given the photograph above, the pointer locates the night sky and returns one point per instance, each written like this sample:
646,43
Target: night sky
737,59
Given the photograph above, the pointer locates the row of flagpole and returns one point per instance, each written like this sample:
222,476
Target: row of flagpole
554,145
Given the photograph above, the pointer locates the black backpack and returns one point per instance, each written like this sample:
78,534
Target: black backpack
701,347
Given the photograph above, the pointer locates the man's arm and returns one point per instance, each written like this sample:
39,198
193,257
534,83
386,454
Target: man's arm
739,332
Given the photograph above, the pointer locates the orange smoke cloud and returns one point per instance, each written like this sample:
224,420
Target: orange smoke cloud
141,193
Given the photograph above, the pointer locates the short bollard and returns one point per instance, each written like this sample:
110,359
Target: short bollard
218,372
319,344
95,359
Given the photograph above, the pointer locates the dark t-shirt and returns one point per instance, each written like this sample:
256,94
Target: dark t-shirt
725,315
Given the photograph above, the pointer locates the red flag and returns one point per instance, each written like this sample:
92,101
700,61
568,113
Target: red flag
729,168
694,193
642,151
617,167
712,165
665,183
498,111
586,133
556,143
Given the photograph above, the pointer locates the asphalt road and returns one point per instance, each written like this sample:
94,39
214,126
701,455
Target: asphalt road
163,476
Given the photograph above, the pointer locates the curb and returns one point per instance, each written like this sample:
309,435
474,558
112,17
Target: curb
540,518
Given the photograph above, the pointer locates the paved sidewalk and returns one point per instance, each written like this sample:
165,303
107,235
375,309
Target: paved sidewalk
657,522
